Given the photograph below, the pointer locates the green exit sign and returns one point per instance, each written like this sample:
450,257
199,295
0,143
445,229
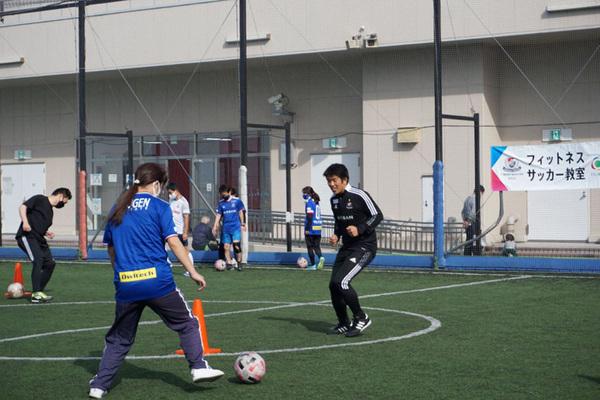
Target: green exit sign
22,155
337,142
557,134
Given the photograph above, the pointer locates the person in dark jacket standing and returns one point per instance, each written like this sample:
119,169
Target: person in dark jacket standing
356,217
36,216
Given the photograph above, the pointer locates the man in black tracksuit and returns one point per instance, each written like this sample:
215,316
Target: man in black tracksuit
36,216
356,216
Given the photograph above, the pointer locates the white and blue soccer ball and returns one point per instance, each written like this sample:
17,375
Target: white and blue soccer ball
220,265
302,262
250,367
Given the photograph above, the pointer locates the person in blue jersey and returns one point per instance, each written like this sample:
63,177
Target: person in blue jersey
230,212
312,227
138,226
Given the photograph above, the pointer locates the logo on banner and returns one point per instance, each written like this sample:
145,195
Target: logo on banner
596,164
511,164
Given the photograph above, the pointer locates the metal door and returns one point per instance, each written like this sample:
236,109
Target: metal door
19,182
427,198
205,177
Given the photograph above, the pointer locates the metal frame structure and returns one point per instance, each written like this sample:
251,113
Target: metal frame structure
288,176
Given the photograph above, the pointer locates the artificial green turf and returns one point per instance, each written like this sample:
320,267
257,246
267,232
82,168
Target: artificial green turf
521,339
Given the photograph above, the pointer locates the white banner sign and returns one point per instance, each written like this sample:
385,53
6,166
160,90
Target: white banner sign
546,167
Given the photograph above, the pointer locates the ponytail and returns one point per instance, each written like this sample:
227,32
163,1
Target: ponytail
120,208
145,174
315,196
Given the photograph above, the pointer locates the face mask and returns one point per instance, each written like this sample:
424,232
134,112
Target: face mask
305,197
225,197
60,204
173,197
156,189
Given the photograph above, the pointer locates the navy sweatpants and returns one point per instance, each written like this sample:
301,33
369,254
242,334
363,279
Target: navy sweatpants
174,312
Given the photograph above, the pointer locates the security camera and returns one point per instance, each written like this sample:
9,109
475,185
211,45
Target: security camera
278,98
279,103
371,40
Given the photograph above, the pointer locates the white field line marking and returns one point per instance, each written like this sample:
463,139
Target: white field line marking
434,324
76,303
65,303
12,339
285,305
283,302
368,296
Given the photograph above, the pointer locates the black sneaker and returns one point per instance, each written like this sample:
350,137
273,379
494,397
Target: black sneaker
228,267
358,326
339,329
238,267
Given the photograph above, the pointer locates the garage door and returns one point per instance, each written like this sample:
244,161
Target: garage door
559,215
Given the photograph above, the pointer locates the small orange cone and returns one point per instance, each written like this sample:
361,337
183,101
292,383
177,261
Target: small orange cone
18,278
198,312
18,275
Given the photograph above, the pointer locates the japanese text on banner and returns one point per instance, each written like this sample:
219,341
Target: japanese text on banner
546,167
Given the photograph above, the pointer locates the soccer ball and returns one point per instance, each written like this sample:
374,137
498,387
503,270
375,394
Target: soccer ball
250,367
302,262
220,265
15,290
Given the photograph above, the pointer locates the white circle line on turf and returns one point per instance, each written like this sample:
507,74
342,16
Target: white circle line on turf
287,302
434,324
285,305
97,328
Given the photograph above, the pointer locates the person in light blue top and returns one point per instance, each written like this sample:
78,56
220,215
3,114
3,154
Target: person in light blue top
137,229
312,227
230,212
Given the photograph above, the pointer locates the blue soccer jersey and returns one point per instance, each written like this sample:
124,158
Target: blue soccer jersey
230,214
312,221
141,267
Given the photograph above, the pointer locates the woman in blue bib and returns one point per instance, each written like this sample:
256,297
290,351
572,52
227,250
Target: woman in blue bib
312,227
137,229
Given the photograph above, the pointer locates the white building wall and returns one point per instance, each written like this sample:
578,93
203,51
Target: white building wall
146,33
398,90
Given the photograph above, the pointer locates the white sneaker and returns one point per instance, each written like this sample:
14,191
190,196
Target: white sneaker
96,393
206,375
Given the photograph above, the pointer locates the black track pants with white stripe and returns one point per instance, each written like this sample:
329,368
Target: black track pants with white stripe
348,264
41,258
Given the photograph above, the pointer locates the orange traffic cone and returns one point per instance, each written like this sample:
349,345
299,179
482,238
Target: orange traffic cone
18,275
198,312
18,278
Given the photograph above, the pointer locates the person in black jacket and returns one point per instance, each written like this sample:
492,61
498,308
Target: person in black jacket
36,216
356,216
202,235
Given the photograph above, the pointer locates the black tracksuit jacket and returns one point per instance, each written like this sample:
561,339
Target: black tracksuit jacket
356,207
